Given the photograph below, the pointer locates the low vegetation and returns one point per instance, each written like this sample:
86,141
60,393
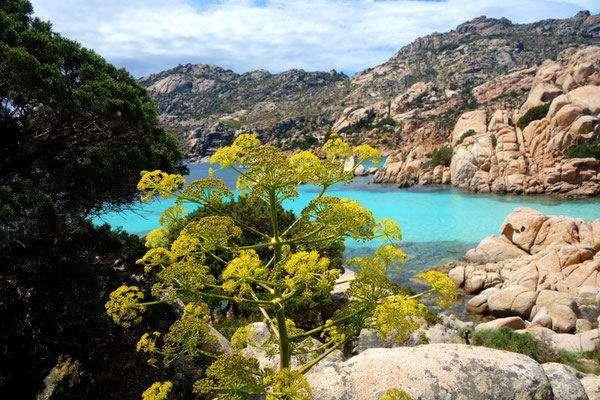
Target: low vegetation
507,339
465,135
441,156
584,150
533,114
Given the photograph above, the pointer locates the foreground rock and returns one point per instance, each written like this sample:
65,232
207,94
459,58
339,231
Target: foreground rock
437,371
544,269
564,382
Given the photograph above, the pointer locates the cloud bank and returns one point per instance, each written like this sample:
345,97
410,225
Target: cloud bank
147,36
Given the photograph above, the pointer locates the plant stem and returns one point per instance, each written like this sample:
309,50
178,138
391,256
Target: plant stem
284,342
323,327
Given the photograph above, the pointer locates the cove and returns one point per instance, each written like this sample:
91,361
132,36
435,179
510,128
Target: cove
439,223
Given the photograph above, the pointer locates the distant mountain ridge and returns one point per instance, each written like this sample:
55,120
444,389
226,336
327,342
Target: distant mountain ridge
206,105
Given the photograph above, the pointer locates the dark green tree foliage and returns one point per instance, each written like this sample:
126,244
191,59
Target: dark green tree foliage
533,114
73,124
590,149
441,156
75,132
465,135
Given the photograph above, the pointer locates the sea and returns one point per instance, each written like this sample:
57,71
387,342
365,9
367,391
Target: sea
439,223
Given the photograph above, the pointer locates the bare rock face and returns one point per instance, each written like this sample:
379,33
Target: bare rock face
564,382
545,269
436,371
508,322
501,158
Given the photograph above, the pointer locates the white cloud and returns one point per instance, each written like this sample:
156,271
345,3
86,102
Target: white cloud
151,35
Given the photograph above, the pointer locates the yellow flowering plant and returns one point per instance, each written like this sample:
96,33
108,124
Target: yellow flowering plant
294,268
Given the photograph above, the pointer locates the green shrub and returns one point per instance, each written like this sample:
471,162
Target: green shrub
441,156
385,122
587,111
533,114
465,135
494,140
590,149
507,339
448,46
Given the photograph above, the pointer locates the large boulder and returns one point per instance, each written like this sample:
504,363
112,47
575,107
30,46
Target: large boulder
522,226
508,322
564,382
436,371
574,343
512,300
561,307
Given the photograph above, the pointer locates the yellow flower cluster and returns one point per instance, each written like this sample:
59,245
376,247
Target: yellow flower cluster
306,166
235,154
187,275
241,272
289,385
305,269
189,334
124,306
159,256
158,391
207,234
395,394
159,182
205,191
147,344
232,373
397,315
173,217
241,336
367,153
338,218
442,285
157,238
336,148
388,230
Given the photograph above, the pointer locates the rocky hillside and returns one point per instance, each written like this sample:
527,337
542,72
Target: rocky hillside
414,98
547,144
205,105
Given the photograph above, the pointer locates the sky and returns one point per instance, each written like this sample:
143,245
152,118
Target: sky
148,36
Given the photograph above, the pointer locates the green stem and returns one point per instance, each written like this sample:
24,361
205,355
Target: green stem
419,295
216,296
306,334
306,367
284,342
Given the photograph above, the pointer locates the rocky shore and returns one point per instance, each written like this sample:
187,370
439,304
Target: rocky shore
544,269
492,153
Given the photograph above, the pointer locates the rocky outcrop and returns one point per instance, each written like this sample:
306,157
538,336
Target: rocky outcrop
545,269
437,371
492,154
503,158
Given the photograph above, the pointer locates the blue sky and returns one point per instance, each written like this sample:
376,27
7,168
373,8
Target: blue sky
153,35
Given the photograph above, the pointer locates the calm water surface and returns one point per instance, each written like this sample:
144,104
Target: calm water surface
438,223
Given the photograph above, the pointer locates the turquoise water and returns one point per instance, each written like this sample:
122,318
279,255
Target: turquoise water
438,223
